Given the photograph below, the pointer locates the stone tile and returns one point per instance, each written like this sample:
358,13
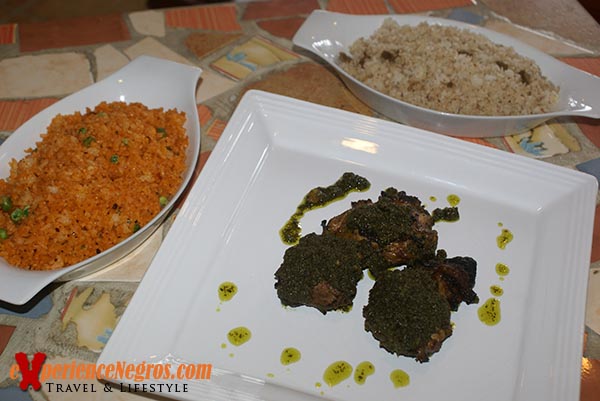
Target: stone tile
279,8
204,114
44,75
592,309
40,305
217,18
590,128
284,27
587,64
216,129
72,32
313,83
14,113
203,159
549,16
250,57
204,43
151,47
8,34
361,7
590,379
541,142
5,335
108,60
14,394
541,42
596,237
211,85
95,323
150,22
417,6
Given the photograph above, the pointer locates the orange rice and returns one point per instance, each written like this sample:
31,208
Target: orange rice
92,181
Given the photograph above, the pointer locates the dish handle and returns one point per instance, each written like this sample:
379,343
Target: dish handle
582,92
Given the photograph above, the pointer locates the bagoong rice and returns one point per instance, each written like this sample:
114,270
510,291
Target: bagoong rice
449,69
93,180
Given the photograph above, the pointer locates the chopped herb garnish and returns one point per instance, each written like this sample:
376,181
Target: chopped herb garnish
162,131
125,141
87,141
6,203
163,200
19,214
136,226
3,233
114,159
82,130
101,114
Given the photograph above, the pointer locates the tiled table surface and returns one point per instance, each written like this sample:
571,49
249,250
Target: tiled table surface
42,62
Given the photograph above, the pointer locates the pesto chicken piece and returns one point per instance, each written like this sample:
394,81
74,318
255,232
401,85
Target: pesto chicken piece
397,226
407,314
321,271
455,278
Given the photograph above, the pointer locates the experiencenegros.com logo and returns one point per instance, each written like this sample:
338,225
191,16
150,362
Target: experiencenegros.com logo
36,373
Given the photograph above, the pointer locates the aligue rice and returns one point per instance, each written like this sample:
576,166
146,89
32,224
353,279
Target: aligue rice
93,180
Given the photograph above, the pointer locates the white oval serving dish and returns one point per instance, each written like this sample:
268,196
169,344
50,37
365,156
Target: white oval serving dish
151,81
326,34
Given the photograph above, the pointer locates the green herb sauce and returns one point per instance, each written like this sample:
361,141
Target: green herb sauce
399,378
496,290
227,291
239,336
489,312
504,238
362,371
502,270
290,355
318,197
337,372
453,200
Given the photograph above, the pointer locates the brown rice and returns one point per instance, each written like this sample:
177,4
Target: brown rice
92,181
449,69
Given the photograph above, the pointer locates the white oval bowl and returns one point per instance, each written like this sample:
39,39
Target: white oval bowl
326,34
151,81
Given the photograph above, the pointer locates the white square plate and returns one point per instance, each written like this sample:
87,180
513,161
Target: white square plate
273,151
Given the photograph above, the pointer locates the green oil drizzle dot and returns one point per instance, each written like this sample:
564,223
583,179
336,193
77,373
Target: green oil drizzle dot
231,355
504,238
399,378
289,355
453,200
239,336
271,375
496,290
227,291
502,270
432,198
489,312
500,224
223,345
318,384
362,371
337,372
